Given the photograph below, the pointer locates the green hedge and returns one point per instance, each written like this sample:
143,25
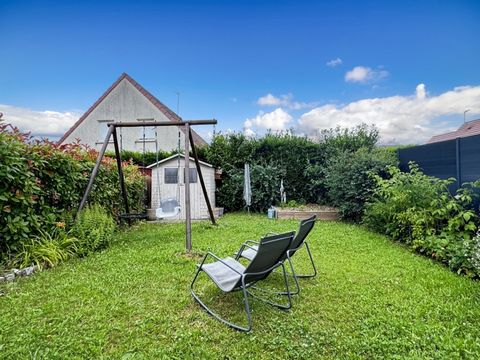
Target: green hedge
42,184
301,162
139,158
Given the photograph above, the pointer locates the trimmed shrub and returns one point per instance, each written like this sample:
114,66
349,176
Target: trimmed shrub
42,184
265,183
299,161
349,181
93,229
139,158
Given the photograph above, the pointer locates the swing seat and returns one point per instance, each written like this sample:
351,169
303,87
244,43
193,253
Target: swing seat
168,208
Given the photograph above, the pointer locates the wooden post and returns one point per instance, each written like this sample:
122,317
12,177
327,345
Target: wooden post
118,157
188,220
95,168
200,176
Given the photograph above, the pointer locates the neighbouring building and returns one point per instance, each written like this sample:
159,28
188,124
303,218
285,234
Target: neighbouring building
469,128
168,181
126,100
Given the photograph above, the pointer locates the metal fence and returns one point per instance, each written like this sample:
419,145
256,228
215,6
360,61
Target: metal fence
459,158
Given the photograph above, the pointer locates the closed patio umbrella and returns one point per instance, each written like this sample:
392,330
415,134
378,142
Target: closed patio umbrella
247,188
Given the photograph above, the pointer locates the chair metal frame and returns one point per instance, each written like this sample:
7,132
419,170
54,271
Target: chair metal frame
289,255
243,286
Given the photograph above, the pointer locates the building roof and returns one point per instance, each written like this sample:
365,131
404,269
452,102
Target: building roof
198,140
469,128
175,157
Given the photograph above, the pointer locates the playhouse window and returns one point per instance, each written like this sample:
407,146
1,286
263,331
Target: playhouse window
171,175
193,175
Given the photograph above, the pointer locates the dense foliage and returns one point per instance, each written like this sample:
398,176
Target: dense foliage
349,182
141,158
94,229
42,184
300,162
420,211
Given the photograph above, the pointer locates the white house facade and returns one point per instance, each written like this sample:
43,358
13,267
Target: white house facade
126,100
168,181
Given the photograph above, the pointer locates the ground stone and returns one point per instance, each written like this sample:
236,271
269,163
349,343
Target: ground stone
10,277
28,271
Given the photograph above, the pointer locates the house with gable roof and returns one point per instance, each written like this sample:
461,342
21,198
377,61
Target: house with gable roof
126,100
470,128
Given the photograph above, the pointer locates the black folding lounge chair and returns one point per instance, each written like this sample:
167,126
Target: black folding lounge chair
249,249
230,275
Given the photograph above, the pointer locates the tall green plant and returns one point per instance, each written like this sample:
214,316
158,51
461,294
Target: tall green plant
349,181
94,229
419,210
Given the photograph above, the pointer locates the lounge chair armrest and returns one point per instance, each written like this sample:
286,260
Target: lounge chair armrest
271,233
248,246
245,245
220,260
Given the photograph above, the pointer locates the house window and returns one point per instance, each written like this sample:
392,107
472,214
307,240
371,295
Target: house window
102,130
148,131
171,175
193,175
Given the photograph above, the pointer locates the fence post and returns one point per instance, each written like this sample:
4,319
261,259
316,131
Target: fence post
457,159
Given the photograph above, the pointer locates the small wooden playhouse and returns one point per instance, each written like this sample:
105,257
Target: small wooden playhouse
168,181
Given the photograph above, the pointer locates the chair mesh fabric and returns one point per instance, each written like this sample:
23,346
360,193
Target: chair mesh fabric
249,253
305,227
222,275
269,253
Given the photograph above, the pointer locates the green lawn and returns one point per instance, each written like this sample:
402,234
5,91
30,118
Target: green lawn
371,299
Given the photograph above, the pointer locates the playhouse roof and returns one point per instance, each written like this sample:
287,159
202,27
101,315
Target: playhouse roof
174,157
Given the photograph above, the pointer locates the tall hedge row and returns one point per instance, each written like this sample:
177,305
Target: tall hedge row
335,167
41,185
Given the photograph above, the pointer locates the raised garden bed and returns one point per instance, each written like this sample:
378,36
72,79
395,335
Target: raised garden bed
303,212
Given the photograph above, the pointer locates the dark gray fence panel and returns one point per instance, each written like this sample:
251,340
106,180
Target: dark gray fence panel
470,158
444,160
438,159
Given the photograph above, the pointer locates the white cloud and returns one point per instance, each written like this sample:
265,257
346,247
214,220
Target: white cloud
334,62
363,74
46,123
285,101
269,100
249,133
275,120
420,91
400,119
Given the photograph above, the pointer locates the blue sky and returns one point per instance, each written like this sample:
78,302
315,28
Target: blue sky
250,64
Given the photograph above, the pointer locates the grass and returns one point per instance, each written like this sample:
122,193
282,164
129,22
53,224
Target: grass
371,299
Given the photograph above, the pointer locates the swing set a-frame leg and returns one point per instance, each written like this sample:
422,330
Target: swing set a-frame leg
200,176
95,169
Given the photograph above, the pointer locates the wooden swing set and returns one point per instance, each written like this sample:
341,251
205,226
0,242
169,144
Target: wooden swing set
112,131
